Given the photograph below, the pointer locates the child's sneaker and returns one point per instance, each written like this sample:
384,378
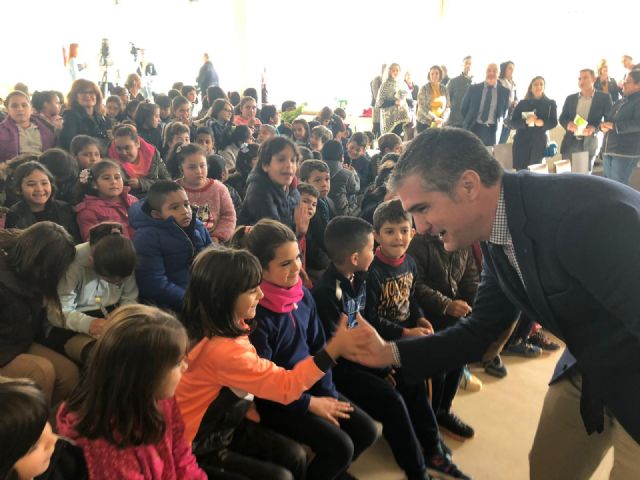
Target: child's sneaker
522,349
495,367
469,381
539,339
440,466
453,426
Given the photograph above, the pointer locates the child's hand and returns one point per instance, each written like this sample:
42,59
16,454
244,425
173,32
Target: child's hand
458,309
97,326
424,323
302,217
330,409
416,332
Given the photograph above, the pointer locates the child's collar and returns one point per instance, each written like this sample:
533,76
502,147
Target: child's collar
394,262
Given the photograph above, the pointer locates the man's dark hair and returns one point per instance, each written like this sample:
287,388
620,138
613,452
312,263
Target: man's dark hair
440,156
345,236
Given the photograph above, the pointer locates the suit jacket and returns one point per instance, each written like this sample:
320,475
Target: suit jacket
576,240
600,106
473,98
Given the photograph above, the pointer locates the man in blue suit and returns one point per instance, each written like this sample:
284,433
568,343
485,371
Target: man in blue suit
563,249
484,106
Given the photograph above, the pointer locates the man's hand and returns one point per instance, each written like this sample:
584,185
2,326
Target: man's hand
97,326
572,127
415,332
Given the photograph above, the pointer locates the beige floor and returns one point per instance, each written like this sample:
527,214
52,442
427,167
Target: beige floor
504,414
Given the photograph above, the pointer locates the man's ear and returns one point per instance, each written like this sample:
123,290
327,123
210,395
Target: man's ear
469,184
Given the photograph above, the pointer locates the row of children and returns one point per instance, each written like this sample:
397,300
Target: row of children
226,281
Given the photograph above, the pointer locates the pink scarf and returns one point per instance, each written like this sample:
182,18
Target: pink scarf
279,299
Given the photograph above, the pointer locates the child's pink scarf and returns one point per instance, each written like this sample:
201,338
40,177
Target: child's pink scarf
279,299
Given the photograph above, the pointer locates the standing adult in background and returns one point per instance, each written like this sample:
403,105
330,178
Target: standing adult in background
484,106
134,86
207,76
506,80
561,248
606,84
445,75
591,105
433,102
627,63
392,102
375,87
72,62
457,88
621,146
532,118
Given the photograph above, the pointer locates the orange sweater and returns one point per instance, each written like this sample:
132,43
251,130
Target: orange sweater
233,362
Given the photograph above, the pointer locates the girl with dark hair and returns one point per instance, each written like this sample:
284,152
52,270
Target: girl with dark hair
271,187
532,118
269,115
124,415
140,161
218,119
98,281
36,186
287,329
105,199
48,106
301,132
86,150
215,397
208,197
147,121
174,133
240,135
245,162
21,132
84,115
26,438
32,262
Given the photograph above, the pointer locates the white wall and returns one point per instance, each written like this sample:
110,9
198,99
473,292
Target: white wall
317,51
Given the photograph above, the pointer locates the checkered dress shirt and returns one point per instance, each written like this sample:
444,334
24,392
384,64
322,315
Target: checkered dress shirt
500,235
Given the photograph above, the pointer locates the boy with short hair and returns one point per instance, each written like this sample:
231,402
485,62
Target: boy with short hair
304,213
316,173
345,183
394,311
358,158
319,136
168,237
341,290
205,138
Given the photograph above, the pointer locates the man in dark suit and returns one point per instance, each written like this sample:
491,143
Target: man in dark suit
563,249
485,105
592,106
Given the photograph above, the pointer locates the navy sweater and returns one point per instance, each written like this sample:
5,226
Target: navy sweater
288,338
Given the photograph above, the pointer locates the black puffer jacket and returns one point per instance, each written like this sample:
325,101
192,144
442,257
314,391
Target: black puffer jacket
442,276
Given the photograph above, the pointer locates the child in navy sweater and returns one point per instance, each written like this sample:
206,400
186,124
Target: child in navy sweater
168,237
343,289
288,330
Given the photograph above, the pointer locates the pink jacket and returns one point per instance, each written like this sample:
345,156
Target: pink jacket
169,459
215,208
93,210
